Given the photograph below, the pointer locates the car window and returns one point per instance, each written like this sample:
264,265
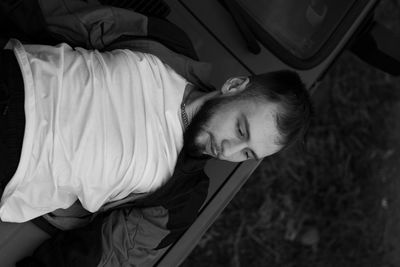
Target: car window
300,26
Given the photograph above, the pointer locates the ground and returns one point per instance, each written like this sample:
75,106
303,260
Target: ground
391,200
334,203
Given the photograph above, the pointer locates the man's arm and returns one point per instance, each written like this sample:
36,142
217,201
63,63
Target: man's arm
116,239
123,237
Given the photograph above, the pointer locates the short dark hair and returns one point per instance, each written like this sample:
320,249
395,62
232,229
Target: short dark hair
286,89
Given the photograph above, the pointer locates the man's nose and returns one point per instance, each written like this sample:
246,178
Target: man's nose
231,147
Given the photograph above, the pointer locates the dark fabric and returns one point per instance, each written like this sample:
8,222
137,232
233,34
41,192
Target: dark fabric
171,36
12,116
75,248
153,8
82,247
183,208
167,34
182,196
43,224
23,20
187,174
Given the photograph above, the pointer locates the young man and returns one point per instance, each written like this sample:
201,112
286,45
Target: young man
100,126
77,146
81,128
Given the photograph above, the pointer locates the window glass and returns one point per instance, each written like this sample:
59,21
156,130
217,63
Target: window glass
301,26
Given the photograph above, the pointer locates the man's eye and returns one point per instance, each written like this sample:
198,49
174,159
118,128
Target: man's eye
240,131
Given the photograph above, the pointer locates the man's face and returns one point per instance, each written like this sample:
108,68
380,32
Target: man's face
233,129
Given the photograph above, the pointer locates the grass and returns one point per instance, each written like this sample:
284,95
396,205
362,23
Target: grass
323,206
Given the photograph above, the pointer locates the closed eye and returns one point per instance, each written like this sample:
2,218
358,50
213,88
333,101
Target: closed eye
240,131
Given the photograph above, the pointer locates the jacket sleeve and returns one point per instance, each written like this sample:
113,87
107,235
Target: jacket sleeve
89,24
130,237
123,237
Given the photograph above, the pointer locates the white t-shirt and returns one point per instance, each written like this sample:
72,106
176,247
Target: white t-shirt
99,126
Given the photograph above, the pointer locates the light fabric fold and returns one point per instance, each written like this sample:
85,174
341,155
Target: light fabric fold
99,126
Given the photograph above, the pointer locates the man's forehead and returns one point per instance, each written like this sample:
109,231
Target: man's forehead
263,132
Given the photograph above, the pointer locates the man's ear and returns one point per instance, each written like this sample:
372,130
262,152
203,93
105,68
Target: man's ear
235,85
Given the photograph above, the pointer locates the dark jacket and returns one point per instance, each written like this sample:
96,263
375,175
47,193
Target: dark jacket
132,231
132,234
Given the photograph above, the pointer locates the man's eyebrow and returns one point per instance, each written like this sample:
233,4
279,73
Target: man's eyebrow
247,128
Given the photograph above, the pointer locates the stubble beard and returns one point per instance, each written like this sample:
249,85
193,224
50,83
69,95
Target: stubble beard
192,137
